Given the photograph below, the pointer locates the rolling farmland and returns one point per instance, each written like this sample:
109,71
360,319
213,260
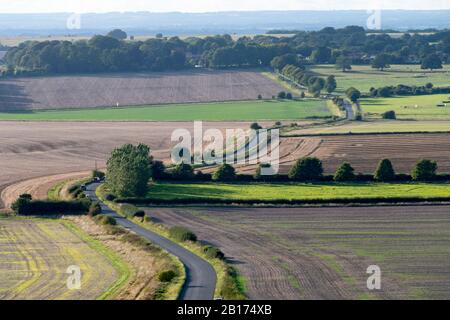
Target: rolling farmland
323,253
365,77
35,256
63,92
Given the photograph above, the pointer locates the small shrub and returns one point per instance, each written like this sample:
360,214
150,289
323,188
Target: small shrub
289,96
147,219
389,115
131,211
167,276
110,197
255,126
213,252
105,220
259,97
183,171
95,209
182,234
281,95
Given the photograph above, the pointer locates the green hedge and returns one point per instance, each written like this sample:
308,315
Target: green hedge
38,207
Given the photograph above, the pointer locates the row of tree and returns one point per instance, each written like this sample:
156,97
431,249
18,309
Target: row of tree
311,169
404,90
314,83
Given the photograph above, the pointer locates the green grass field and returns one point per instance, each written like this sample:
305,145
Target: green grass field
410,107
296,191
364,77
229,111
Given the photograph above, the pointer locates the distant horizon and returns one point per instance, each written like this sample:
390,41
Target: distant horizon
212,6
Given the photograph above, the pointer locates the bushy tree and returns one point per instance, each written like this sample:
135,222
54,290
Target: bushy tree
225,173
129,170
343,63
255,126
381,61
345,172
306,169
431,61
424,170
118,34
385,171
330,84
183,171
158,169
281,95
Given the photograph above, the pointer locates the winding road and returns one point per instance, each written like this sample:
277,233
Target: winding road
200,275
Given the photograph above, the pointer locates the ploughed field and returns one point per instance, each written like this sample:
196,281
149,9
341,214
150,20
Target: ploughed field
324,253
103,90
39,149
35,256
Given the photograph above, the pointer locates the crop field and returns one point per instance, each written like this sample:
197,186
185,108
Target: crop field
365,77
35,256
324,253
40,149
226,111
411,107
295,191
110,90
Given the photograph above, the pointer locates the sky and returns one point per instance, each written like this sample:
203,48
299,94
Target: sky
82,6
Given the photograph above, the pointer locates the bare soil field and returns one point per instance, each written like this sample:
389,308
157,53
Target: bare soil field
87,91
35,256
324,253
43,149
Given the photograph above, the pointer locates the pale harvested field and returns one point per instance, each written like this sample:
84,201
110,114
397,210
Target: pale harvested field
35,256
323,253
31,150
133,89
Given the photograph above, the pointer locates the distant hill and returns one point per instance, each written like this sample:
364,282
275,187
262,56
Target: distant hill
146,23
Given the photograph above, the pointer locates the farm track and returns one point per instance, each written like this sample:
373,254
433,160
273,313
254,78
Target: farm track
323,253
129,89
35,256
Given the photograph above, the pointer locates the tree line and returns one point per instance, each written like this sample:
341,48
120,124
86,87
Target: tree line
343,47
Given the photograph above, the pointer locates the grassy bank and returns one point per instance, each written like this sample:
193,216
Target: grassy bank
297,191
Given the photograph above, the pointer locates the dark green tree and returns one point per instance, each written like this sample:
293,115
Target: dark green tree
330,84
118,34
432,62
424,170
343,63
345,172
224,173
129,170
381,61
385,171
183,171
306,169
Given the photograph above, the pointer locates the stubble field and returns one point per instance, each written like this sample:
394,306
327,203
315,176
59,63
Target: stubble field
324,253
35,256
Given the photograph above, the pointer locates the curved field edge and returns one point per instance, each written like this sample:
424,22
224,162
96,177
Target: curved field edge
166,291
230,284
121,266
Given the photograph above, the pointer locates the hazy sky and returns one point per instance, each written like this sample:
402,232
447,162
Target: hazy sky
9,6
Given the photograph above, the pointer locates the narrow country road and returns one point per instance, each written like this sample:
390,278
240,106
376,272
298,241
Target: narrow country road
200,275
